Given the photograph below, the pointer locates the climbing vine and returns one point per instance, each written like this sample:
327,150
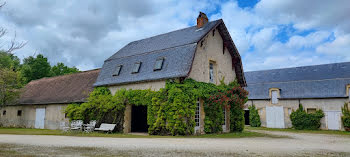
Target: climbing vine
171,110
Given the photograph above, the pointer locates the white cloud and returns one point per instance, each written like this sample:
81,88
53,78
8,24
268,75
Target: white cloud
84,34
338,47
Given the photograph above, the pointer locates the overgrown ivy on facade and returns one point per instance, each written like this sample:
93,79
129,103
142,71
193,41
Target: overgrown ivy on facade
171,110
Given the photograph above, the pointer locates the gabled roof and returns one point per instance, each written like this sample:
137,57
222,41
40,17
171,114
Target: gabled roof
319,81
60,89
178,49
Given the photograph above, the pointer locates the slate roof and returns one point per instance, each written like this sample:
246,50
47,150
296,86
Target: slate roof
60,89
178,49
319,81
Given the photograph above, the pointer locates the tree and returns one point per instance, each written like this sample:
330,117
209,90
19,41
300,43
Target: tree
9,86
9,61
61,69
254,117
35,68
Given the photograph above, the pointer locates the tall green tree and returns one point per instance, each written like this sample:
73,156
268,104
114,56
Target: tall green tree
9,61
10,85
35,68
61,69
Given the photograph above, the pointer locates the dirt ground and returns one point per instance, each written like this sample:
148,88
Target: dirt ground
295,144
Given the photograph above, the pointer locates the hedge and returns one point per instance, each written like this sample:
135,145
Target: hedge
301,120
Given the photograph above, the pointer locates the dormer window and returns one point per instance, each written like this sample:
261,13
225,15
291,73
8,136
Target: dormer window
136,67
159,64
117,70
274,96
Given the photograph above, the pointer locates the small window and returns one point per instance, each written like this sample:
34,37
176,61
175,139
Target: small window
211,73
159,64
274,98
4,112
289,111
19,112
136,67
213,32
117,70
311,110
349,93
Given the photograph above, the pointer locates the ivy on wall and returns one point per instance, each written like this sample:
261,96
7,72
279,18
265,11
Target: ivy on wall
171,110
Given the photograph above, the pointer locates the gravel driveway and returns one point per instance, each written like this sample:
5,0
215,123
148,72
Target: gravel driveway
298,144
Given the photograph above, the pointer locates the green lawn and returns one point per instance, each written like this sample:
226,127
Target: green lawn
333,132
25,131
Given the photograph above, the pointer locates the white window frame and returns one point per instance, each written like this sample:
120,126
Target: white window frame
197,116
274,96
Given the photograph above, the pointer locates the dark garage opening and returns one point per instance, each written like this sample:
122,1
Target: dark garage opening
246,117
139,119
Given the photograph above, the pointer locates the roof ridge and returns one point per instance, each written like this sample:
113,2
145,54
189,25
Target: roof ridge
297,67
172,31
80,72
299,81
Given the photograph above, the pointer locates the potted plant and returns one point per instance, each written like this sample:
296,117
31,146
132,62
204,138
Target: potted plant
346,117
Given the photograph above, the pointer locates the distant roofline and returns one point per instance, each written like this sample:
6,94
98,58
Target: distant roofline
300,81
296,67
80,72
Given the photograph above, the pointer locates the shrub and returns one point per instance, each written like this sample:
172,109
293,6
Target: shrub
306,121
346,115
254,117
101,106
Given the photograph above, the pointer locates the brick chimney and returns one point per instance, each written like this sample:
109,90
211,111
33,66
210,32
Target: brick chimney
202,19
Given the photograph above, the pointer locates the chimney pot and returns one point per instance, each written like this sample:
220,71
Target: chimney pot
202,19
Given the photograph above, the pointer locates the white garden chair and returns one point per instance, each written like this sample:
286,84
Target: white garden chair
76,125
90,127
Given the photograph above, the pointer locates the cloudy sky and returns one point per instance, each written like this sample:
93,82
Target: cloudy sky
268,33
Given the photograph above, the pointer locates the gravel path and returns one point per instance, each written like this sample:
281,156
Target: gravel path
299,144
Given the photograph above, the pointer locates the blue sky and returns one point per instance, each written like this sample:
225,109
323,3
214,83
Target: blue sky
268,33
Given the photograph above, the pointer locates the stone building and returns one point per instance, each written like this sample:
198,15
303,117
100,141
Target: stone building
43,101
204,52
276,93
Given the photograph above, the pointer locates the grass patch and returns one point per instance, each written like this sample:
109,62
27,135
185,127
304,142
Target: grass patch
330,132
26,131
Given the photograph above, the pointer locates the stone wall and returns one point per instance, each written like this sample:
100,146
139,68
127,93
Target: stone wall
212,51
331,104
54,116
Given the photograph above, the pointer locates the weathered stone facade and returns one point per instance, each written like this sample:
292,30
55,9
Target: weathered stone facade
331,104
54,116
